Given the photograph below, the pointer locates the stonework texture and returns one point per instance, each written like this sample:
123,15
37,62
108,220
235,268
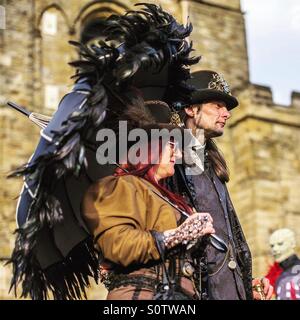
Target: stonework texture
261,143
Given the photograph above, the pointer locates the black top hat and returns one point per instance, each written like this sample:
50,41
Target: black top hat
211,86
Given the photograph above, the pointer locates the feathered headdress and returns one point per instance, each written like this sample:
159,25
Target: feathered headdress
54,251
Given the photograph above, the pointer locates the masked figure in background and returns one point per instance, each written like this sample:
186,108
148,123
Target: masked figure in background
145,55
226,274
284,274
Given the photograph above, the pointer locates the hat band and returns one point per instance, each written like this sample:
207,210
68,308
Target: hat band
219,83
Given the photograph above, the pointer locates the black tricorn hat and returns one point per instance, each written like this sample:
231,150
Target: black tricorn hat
159,110
147,115
211,85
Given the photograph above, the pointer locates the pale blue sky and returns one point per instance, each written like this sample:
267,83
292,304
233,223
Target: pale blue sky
273,33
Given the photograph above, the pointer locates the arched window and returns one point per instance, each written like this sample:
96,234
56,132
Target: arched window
54,55
2,18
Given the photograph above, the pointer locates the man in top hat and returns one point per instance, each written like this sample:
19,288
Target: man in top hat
226,275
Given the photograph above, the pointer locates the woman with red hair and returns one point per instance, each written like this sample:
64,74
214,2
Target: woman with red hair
142,238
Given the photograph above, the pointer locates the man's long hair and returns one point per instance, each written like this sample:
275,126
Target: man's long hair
215,156
217,160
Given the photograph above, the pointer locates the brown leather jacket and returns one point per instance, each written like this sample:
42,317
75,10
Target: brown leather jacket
120,213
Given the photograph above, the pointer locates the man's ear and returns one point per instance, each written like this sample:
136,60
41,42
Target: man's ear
190,111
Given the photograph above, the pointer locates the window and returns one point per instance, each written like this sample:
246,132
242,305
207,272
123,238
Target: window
51,96
49,23
2,18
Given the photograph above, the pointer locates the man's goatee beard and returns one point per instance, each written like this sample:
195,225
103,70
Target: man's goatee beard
213,134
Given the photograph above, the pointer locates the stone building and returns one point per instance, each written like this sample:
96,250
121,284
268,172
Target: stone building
261,143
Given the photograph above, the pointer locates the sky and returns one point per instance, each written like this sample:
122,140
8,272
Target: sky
273,35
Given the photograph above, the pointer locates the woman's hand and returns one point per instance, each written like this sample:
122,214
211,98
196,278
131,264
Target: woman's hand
194,227
198,230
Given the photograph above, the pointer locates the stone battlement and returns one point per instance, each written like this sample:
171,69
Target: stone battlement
296,100
263,95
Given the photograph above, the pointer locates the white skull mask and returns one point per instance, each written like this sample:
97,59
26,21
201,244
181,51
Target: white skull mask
283,244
